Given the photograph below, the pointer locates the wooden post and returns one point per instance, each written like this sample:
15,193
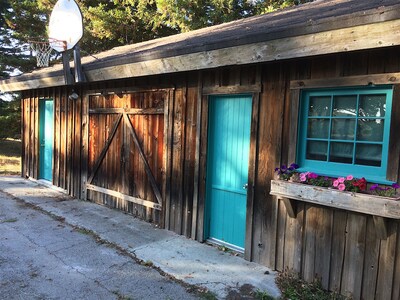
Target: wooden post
84,148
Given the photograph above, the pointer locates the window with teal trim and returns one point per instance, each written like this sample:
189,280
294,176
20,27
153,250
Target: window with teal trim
345,132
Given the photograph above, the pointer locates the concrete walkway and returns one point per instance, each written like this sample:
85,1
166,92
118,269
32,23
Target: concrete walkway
225,275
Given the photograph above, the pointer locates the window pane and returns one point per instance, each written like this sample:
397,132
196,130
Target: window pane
370,130
317,150
341,152
372,106
344,106
369,155
343,129
318,128
320,106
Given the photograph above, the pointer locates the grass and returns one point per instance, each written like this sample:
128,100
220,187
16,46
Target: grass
294,288
10,157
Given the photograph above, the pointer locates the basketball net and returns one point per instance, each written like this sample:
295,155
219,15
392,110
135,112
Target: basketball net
42,51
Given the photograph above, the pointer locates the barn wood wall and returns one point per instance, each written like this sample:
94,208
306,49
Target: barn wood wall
67,137
339,247
122,169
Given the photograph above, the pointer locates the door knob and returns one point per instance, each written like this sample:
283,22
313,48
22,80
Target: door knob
245,186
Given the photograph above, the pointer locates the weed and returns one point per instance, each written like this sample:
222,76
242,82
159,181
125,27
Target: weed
121,296
262,295
9,220
148,263
207,295
294,288
224,249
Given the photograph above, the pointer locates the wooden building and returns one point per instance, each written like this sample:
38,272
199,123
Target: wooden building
186,132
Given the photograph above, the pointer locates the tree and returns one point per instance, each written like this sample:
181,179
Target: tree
10,119
111,23
19,20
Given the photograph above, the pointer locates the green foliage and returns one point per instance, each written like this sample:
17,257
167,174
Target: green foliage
262,295
111,23
10,119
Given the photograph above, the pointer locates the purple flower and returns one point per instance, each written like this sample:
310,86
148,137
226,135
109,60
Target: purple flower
277,169
374,187
283,168
395,186
294,166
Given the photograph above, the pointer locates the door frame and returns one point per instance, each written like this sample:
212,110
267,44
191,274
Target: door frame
39,165
202,146
210,166
163,198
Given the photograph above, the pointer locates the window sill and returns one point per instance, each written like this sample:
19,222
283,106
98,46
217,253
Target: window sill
377,206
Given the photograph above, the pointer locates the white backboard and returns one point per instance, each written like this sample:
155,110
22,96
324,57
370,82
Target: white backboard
65,25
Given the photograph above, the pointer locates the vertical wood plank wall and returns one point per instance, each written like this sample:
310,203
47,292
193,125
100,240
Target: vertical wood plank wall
339,247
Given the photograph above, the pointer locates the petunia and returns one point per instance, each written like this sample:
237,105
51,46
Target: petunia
395,186
341,187
312,175
349,177
294,166
374,187
341,179
335,183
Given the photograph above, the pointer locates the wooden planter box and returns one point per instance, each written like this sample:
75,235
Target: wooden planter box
377,206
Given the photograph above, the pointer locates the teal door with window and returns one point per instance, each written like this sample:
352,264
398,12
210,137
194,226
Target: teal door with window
227,169
46,113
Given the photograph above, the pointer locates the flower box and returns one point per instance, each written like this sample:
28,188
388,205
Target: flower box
363,203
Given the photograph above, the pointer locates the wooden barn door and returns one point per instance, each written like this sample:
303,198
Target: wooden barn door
227,169
126,151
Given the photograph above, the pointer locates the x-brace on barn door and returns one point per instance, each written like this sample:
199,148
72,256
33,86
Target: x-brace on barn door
129,130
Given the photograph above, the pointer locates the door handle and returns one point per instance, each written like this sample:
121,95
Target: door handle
245,186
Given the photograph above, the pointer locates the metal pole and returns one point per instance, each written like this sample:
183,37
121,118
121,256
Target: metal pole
79,75
68,79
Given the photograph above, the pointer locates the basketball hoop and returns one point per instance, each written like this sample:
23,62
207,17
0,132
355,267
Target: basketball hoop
43,49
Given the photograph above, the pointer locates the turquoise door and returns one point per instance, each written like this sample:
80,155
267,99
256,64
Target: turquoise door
227,169
46,112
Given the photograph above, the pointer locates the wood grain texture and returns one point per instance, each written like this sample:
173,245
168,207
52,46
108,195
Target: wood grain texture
357,202
339,246
353,264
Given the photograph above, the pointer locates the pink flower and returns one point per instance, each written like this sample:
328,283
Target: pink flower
341,187
312,175
349,177
335,183
303,177
341,179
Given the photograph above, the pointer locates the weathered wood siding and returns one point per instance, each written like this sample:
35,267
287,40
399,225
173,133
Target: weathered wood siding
127,167
339,247
67,137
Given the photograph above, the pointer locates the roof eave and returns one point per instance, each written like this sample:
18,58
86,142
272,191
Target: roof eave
368,36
